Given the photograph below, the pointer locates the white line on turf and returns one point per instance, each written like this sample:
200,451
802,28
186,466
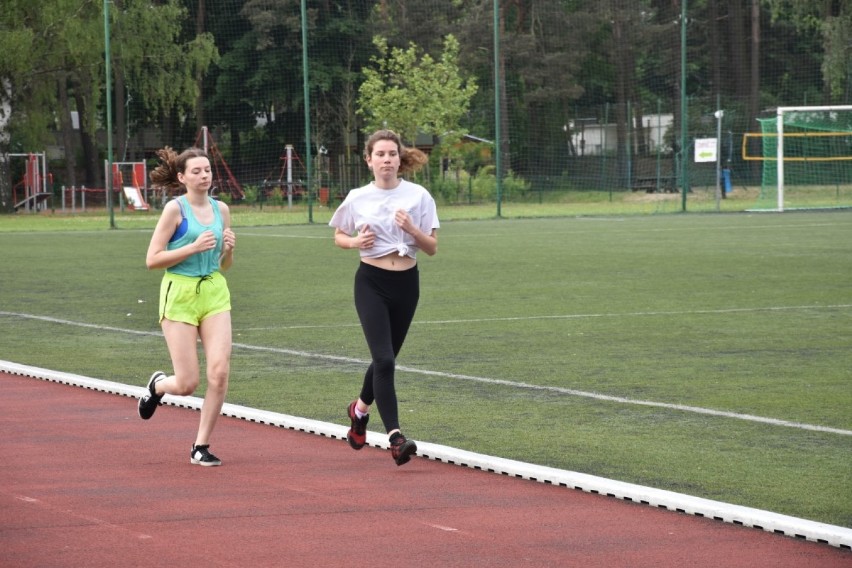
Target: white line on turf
720,311
484,380
641,314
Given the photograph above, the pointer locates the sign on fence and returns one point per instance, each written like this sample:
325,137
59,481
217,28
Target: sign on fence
705,149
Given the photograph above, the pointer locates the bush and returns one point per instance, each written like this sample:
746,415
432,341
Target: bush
484,186
449,188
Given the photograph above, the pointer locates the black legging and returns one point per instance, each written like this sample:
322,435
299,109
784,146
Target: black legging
386,301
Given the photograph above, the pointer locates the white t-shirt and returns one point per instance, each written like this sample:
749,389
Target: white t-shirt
375,207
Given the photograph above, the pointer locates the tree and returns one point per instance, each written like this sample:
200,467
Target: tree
28,66
559,60
80,43
261,75
544,45
424,22
52,64
413,93
630,33
831,20
7,204
161,66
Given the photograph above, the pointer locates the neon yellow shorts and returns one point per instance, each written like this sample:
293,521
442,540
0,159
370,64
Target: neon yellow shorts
191,299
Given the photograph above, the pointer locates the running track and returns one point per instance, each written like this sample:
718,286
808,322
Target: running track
85,482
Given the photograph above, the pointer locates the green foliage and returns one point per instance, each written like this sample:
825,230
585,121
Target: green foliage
451,188
837,66
485,185
471,156
458,186
16,44
833,22
161,68
40,43
412,93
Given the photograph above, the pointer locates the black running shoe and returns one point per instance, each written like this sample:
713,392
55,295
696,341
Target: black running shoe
357,435
402,449
200,455
148,404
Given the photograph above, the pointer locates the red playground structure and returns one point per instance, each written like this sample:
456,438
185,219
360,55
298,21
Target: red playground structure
134,192
226,183
31,192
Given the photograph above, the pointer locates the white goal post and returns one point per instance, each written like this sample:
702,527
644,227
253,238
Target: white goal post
780,143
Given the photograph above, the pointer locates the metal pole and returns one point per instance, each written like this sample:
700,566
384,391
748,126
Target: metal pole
43,171
629,149
683,114
659,142
779,156
308,164
603,137
289,153
498,146
719,114
108,71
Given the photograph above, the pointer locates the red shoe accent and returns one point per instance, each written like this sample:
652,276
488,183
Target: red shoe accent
402,449
357,435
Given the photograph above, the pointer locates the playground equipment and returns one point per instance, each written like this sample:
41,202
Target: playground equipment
34,192
136,192
284,182
227,183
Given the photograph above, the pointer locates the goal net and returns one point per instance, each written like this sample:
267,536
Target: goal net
807,158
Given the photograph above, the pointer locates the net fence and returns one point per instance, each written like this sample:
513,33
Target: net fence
515,101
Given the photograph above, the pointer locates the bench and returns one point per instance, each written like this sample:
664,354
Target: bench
650,184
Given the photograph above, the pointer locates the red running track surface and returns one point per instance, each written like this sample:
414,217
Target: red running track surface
85,482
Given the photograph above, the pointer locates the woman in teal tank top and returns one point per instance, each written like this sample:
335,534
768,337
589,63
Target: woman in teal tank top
194,243
190,228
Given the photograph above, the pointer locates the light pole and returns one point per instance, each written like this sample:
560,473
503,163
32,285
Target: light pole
718,114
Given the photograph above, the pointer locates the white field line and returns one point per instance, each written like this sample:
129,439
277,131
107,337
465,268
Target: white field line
484,380
722,311
768,521
645,314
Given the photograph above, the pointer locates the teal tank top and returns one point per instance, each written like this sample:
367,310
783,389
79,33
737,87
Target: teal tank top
200,264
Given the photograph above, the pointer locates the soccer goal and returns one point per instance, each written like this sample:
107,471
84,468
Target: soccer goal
807,158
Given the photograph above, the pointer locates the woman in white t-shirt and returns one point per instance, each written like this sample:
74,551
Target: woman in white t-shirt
388,221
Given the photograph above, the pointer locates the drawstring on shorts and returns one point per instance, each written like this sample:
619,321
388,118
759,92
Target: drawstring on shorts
200,280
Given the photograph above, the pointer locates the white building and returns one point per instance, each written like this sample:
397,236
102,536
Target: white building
589,138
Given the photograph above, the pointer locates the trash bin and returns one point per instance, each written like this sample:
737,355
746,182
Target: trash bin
726,180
